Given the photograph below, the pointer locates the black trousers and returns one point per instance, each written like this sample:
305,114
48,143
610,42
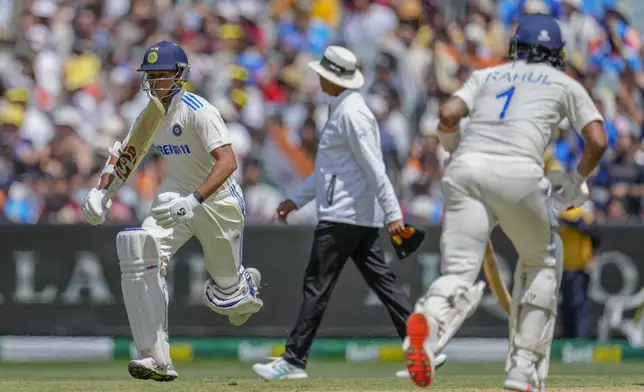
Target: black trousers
575,305
333,244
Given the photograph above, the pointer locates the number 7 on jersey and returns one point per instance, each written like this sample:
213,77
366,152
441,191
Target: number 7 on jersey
508,97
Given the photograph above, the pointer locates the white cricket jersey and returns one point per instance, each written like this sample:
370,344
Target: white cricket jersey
191,130
514,109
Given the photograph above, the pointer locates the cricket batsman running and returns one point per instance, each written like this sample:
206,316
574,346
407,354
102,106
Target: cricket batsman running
496,175
198,197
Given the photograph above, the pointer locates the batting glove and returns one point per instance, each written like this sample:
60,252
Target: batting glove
175,211
94,210
569,190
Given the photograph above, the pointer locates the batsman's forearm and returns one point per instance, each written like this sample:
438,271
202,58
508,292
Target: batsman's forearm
218,175
596,143
107,178
590,158
451,113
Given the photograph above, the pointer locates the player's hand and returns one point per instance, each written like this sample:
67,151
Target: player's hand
175,211
396,227
285,208
569,190
94,210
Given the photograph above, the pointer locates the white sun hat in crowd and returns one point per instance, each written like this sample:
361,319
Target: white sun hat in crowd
340,67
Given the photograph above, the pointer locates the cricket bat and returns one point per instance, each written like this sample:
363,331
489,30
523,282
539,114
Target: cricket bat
137,146
494,279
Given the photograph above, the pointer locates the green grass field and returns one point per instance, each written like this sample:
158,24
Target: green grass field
325,376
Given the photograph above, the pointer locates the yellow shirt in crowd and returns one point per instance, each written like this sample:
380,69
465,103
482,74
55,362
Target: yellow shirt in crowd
577,243
326,10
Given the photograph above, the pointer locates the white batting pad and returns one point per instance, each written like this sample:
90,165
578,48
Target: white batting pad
144,292
532,322
450,300
244,299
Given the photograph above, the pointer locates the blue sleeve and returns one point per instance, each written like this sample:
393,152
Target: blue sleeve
319,38
633,60
611,131
437,212
562,151
609,3
555,8
602,175
285,29
594,7
509,11
599,53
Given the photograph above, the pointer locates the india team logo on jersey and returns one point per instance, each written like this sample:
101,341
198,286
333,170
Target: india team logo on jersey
177,130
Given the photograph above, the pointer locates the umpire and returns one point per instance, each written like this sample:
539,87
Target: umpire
354,197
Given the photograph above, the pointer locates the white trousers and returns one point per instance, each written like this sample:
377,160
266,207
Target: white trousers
218,225
481,191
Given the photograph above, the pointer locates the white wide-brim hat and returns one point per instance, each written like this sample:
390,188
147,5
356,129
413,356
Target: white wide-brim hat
340,67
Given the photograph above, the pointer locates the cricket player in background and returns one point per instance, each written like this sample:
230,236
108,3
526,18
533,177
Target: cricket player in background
496,175
198,197
579,244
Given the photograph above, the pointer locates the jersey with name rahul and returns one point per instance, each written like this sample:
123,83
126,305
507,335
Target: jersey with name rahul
515,108
191,130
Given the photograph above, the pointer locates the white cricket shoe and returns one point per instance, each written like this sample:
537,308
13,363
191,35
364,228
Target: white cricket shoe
440,361
255,280
523,376
148,369
279,369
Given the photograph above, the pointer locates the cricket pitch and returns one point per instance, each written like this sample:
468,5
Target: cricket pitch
222,376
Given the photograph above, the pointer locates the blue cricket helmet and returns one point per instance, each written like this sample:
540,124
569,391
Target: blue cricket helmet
538,39
539,30
164,56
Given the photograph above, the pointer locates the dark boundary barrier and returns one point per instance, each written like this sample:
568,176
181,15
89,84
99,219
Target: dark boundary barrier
65,280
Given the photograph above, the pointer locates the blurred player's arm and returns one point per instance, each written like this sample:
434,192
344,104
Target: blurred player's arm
625,98
107,174
584,116
214,134
596,142
454,109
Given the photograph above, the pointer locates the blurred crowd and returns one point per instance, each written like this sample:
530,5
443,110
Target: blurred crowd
70,89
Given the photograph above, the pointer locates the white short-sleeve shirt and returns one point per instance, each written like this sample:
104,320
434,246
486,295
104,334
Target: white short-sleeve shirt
514,108
191,130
